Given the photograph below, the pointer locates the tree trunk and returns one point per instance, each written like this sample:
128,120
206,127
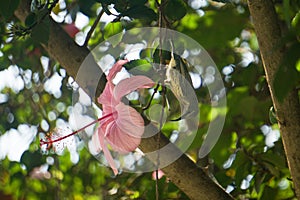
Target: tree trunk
269,37
183,172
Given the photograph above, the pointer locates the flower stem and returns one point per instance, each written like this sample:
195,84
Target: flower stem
42,142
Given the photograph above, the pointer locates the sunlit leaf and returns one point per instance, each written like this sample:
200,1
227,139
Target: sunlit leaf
112,29
296,23
140,67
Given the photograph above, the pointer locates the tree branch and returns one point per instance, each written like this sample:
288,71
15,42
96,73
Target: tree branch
191,179
183,172
269,37
70,55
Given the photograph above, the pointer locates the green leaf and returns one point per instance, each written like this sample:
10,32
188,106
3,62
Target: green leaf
287,76
42,14
198,139
272,169
166,55
275,159
146,53
175,9
269,193
246,75
258,180
141,67
142,64
223,1
243,167
30,19
241,172
105,1
112,28
40,32
31,159
137,2
296,23
140,12
221,152
8,7
121,6
86,7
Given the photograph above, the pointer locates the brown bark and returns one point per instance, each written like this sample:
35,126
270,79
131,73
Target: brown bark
268,33
5,196
183,172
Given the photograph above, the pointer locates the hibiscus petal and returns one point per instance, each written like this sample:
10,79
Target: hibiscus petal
106,152
107,100
105,97
96,143
129,120
124,134
123,144
115,69
128,85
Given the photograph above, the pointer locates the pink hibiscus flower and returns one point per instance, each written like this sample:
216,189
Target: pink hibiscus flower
120,126
124,126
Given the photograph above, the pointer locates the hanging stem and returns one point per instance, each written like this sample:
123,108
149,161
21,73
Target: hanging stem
161,61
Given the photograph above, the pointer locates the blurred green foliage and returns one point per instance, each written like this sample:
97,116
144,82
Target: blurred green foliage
242,161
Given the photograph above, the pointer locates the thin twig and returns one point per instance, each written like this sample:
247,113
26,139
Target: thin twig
89,35
151,98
